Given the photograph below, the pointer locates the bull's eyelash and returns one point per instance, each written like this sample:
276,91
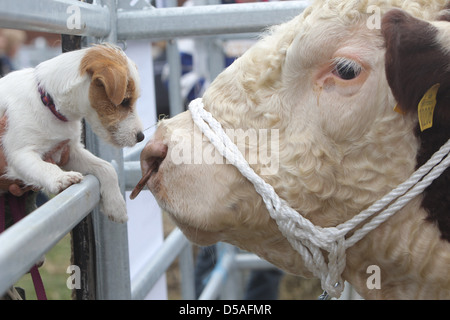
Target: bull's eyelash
344,65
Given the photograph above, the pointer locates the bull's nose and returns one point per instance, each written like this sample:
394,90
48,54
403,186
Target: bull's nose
152,155
140,136
154,149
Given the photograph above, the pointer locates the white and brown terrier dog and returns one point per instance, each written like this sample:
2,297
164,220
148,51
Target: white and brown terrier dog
44,106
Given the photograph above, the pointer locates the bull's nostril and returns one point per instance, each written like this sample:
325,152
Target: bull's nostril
140,136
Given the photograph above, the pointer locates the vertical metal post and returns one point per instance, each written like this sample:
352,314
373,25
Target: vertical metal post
176,104
233,287
111,239
83,256
82,236
187,273
216,57
224,265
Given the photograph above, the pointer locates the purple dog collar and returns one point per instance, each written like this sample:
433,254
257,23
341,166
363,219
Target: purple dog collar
47,100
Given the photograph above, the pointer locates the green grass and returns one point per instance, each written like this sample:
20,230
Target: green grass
53,273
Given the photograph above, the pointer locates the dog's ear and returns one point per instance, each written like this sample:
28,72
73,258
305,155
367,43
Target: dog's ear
114,80
108,70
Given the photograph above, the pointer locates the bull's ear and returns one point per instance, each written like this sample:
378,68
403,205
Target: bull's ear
417,67
114,81
412,67
444,14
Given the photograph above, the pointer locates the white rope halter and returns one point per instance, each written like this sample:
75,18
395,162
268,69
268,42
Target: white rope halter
305,237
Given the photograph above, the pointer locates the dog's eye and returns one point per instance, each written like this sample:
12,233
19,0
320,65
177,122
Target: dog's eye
346,69
126,102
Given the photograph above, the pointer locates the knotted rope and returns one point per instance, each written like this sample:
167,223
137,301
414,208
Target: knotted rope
306,238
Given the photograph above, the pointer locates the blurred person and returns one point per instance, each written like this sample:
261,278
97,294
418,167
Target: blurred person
10,42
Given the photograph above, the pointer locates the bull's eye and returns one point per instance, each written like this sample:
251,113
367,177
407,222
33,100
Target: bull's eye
126,102
346,69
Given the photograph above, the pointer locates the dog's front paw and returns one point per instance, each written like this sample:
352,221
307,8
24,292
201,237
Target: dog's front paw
115,208
65,180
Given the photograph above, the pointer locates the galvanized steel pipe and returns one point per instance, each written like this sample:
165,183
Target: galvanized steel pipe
167,23
55,16
24,242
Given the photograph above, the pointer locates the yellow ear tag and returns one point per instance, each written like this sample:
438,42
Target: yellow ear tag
426,106
399,110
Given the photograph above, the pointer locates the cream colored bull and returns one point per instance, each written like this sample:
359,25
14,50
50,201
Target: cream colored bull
318,84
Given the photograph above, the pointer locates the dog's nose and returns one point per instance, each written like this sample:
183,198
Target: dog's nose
140,136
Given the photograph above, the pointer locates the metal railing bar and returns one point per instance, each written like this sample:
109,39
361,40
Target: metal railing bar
142,283
134,153
132,173
186,263
168,23
26,241
56,16
219,274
